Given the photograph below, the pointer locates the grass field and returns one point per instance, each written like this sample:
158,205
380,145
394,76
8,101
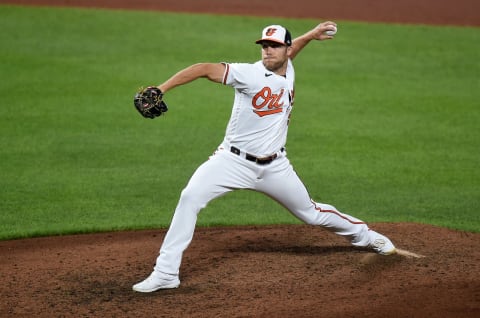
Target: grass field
386,125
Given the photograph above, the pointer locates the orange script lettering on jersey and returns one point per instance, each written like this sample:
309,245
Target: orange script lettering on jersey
265,98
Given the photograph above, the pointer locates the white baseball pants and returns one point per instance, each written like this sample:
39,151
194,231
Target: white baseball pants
225,172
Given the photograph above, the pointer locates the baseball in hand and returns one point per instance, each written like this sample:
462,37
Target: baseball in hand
330,32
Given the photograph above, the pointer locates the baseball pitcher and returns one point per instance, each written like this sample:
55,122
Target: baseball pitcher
252,154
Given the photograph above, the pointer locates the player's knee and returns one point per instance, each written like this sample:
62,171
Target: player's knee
192,199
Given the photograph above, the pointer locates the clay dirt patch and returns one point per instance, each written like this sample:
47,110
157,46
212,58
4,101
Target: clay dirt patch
437,12
271,271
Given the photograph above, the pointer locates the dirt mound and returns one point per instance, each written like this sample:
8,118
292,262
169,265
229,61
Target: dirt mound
275,271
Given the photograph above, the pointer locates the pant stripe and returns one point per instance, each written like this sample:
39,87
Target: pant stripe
319,209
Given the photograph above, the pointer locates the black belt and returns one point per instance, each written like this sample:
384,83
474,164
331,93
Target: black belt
260,161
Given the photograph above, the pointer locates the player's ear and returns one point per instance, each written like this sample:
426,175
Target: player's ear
289,50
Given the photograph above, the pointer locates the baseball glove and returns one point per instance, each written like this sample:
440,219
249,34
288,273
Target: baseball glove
149,102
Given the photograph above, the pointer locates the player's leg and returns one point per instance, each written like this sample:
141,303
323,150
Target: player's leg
211,180
214,178
282,183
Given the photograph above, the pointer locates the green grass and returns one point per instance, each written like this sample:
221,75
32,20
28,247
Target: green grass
385,126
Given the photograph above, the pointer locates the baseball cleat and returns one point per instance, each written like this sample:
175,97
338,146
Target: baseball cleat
156,282
381,244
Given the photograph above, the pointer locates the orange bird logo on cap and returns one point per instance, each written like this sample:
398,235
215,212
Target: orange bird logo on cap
270,32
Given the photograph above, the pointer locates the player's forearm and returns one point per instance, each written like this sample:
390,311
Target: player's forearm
213,72
317,33
299,43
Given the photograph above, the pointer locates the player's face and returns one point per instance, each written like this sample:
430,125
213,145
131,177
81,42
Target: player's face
274,56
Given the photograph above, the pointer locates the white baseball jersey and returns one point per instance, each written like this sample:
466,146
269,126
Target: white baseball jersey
261,109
